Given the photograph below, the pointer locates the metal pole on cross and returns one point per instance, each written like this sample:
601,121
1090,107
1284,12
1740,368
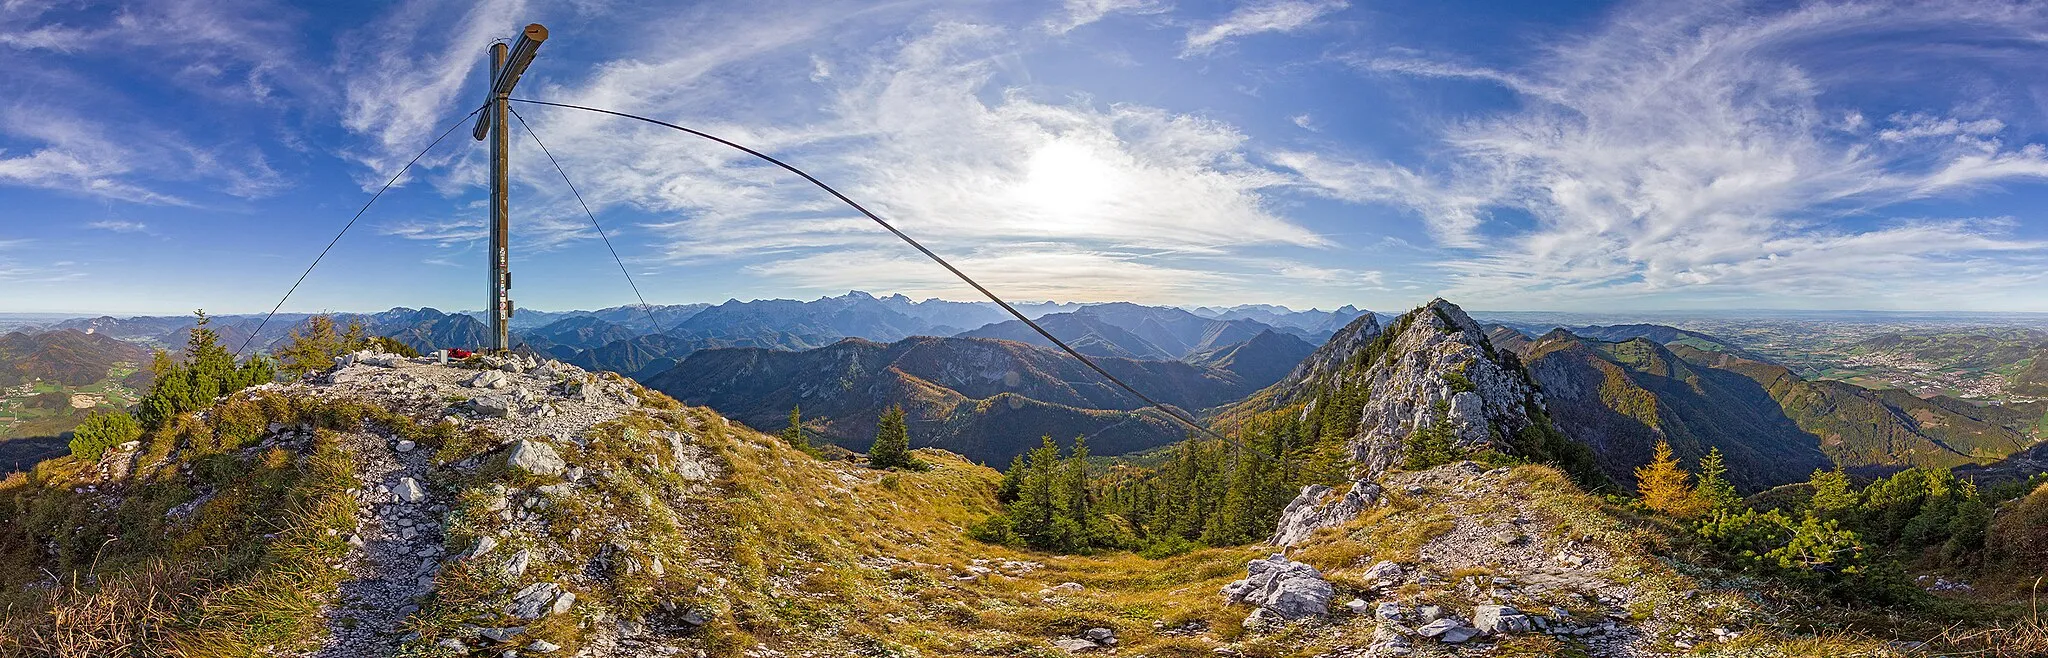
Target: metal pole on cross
507,64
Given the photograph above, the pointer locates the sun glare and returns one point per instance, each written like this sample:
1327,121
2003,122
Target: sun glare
1069,184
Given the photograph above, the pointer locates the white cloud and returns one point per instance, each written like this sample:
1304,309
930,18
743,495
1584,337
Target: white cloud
1046,271
405,70
1082,12
1684,150
238,49
119,226
1305,122
77,135
1256,17
444,233
1349,279
920,134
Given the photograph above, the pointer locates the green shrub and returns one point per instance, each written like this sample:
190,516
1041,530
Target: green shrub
1166,546
996,529
101,431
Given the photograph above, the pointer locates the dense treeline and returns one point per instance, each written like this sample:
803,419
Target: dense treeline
1207,492
1849,541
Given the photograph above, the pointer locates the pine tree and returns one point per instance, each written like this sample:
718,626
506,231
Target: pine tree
1663,485
1831,494
794,434
892,442
312,348
1714,491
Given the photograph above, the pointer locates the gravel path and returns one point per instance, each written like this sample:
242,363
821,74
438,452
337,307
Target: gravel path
399,528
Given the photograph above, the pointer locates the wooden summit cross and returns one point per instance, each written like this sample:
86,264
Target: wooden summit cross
506,66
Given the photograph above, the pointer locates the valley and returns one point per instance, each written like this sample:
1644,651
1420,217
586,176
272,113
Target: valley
1985,357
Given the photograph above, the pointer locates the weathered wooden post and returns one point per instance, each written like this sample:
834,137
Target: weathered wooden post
506,66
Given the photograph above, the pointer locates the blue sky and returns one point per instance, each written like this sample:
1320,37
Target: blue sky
165,156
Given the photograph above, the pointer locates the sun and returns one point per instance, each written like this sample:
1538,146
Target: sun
1069,184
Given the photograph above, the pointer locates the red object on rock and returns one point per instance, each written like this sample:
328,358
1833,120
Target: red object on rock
460,354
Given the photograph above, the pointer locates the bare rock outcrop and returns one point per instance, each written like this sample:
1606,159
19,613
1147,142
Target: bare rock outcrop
1283,590
1438,368
1313,510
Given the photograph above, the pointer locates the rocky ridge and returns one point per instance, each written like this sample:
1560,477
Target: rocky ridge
1439,368
1451,570
400,548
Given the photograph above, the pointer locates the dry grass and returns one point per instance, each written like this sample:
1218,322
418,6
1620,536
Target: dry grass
126,616
2023,637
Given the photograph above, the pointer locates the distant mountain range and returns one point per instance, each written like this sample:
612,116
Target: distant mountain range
1620,398
616,338
1147,332
984,398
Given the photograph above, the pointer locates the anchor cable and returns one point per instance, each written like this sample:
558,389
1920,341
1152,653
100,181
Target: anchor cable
593,220
351,223
1174,413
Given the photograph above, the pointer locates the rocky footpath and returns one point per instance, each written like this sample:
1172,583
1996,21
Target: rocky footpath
425,517
397,547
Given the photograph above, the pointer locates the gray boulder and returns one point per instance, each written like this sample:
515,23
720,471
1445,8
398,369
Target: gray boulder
1384,573
495,406
409,490
1074,645
483,545
502,634
1500,619
490,379
535,457
1308,513
1281,589
540,600
1447,630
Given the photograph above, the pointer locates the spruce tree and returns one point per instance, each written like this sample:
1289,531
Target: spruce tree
794,434
1035,513
1663,485
1007,491
892,442
1714,491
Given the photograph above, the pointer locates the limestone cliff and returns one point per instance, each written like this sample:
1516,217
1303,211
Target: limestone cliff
1435,366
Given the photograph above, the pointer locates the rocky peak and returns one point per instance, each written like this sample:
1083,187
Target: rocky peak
1322,365
1436,366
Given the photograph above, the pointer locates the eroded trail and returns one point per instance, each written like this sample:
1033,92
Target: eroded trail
398,548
